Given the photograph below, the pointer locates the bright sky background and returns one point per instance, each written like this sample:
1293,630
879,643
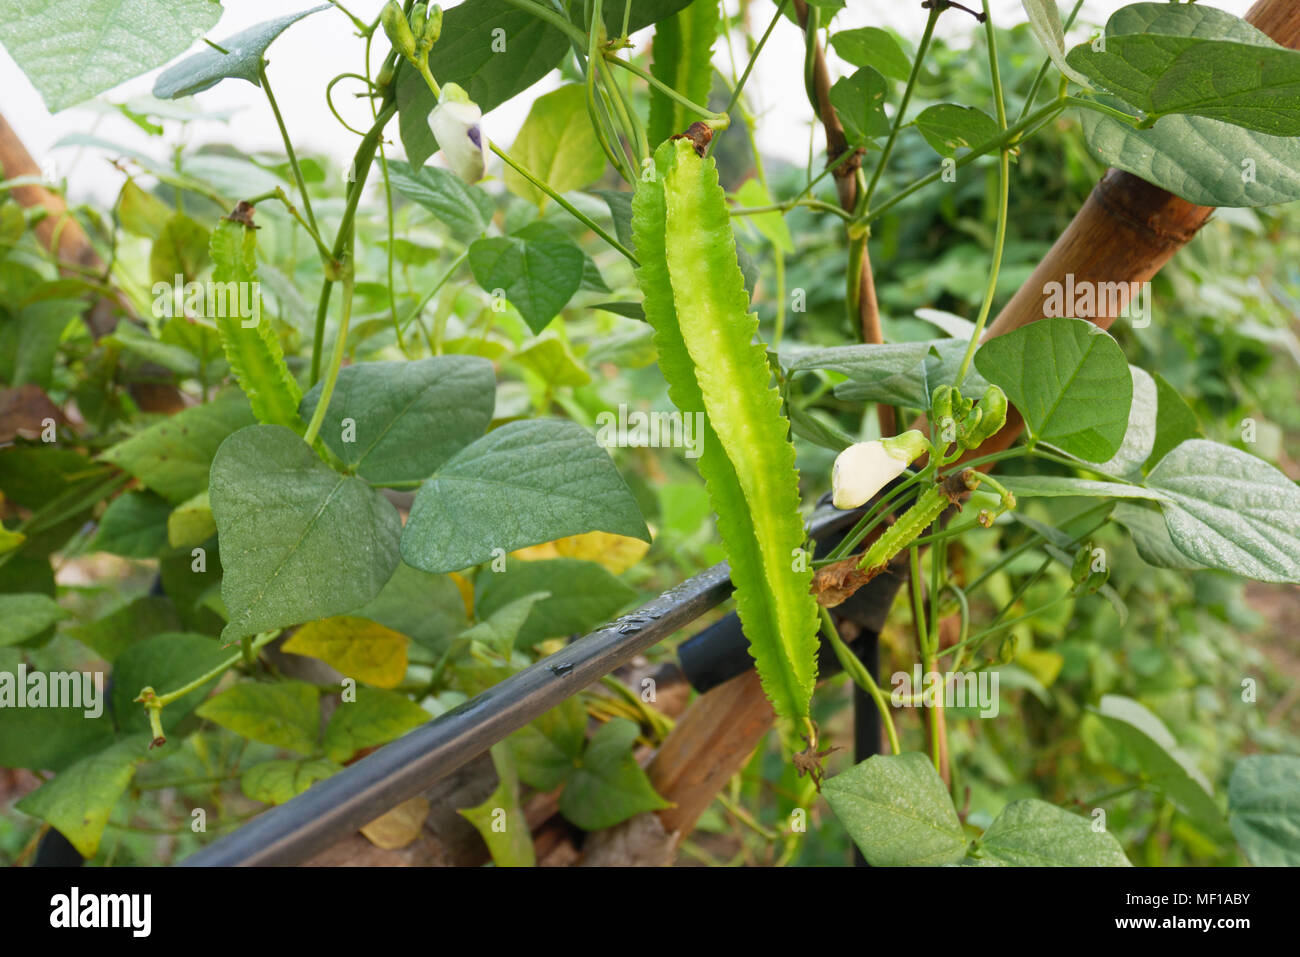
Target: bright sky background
310,52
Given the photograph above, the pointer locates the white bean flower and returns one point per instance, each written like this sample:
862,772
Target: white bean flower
455,124
864,469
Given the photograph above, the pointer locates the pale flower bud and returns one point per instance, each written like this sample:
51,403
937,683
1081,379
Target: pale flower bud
398,29
864,469
455,124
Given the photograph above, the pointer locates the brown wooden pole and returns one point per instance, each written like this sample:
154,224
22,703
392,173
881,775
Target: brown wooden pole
846,187
1126,231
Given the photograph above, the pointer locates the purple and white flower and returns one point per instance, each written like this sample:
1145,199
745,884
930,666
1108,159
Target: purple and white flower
455,124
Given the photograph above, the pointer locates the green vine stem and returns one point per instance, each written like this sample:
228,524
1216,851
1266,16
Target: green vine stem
753,58
607,107
864,199
1110,111
564,203
289,151
1010,137
361,164
977,639
785,207
362,29
716,121
1046,66
336,360
551,17
154,702
857,671
1004,189
625,111
737,104
281,196
875,515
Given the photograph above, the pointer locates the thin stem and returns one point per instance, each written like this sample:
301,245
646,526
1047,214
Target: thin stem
551,17
999,244
288,148
853,275
1111,795
753,58
610,141
279,194
980,637
422,65
627,16
633,131
1046,66
864,200
388,204
361,26
1011,453
857,671
1078,465
258,642
329,100
788,205
603,126
938,561
564,204
392,238
954,531
995,74
336,360
1004,188
434,291
1102,108
713,118
918,603
872,518
361,163
1008,137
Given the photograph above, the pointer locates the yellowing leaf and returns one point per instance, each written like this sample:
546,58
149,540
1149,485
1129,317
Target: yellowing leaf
10,540
617,553
400,826
500,819
79,801
537,553
357,647
191,523
1043,665
466,589
276,782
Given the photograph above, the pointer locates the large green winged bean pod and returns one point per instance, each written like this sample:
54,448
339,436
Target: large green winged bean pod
254,353
696,301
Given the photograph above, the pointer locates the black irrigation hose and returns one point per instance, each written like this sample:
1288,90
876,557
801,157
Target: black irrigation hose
331,809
